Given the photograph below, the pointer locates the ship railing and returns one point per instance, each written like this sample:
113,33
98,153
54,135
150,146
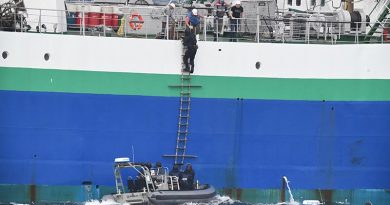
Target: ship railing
292,30
132,23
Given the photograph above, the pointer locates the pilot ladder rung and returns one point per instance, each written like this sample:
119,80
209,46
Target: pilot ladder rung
179,86
173,155
180,132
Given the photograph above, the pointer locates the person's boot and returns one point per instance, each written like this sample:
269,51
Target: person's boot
186,69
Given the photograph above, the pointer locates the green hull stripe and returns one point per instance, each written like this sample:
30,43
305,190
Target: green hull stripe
50,80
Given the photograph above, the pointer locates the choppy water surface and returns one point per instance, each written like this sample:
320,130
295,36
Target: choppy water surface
219,200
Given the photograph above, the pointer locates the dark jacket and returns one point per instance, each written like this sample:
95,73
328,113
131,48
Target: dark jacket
190,40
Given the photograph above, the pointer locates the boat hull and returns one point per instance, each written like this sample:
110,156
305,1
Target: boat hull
179,197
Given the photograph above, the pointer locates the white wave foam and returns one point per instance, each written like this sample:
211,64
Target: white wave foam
102,202
216,201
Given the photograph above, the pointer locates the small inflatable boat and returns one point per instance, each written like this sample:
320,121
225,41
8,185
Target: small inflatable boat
155,187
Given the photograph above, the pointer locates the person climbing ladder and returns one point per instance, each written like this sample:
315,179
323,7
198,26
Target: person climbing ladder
190,42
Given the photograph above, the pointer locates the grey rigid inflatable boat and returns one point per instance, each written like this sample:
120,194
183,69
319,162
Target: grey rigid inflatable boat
202,195
155,187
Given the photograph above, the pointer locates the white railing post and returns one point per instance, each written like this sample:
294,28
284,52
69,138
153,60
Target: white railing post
217,32
357,31
326,30
83,20
292,29
21,23
204,29
237,32
167,28
331,33
40,21
383,35
15,22
104,23
80,23
340,29
308,31
62,22
126,23
146,29
257,25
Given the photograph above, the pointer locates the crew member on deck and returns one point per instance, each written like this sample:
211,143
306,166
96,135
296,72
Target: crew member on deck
169,21
193,21
221,10
235,20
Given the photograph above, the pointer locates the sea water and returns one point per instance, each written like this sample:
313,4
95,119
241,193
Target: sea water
218,200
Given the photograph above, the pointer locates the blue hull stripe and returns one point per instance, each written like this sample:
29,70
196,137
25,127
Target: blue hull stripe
64,139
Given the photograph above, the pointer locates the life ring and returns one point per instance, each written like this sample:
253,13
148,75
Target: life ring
136,21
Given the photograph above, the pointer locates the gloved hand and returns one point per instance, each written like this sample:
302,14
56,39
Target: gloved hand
191,27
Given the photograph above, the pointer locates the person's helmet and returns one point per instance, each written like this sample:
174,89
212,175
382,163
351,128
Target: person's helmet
238,2
189,167
172,5
148,165
195,11
175,167
158,164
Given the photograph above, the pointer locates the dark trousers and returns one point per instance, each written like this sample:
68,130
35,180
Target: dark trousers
234,27
218,30
189,55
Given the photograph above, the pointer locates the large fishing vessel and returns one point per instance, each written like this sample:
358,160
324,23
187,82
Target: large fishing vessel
304,93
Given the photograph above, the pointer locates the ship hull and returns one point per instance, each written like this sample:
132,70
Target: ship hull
63,121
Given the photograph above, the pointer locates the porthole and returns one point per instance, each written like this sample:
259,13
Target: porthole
4,54
46,56
258,64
